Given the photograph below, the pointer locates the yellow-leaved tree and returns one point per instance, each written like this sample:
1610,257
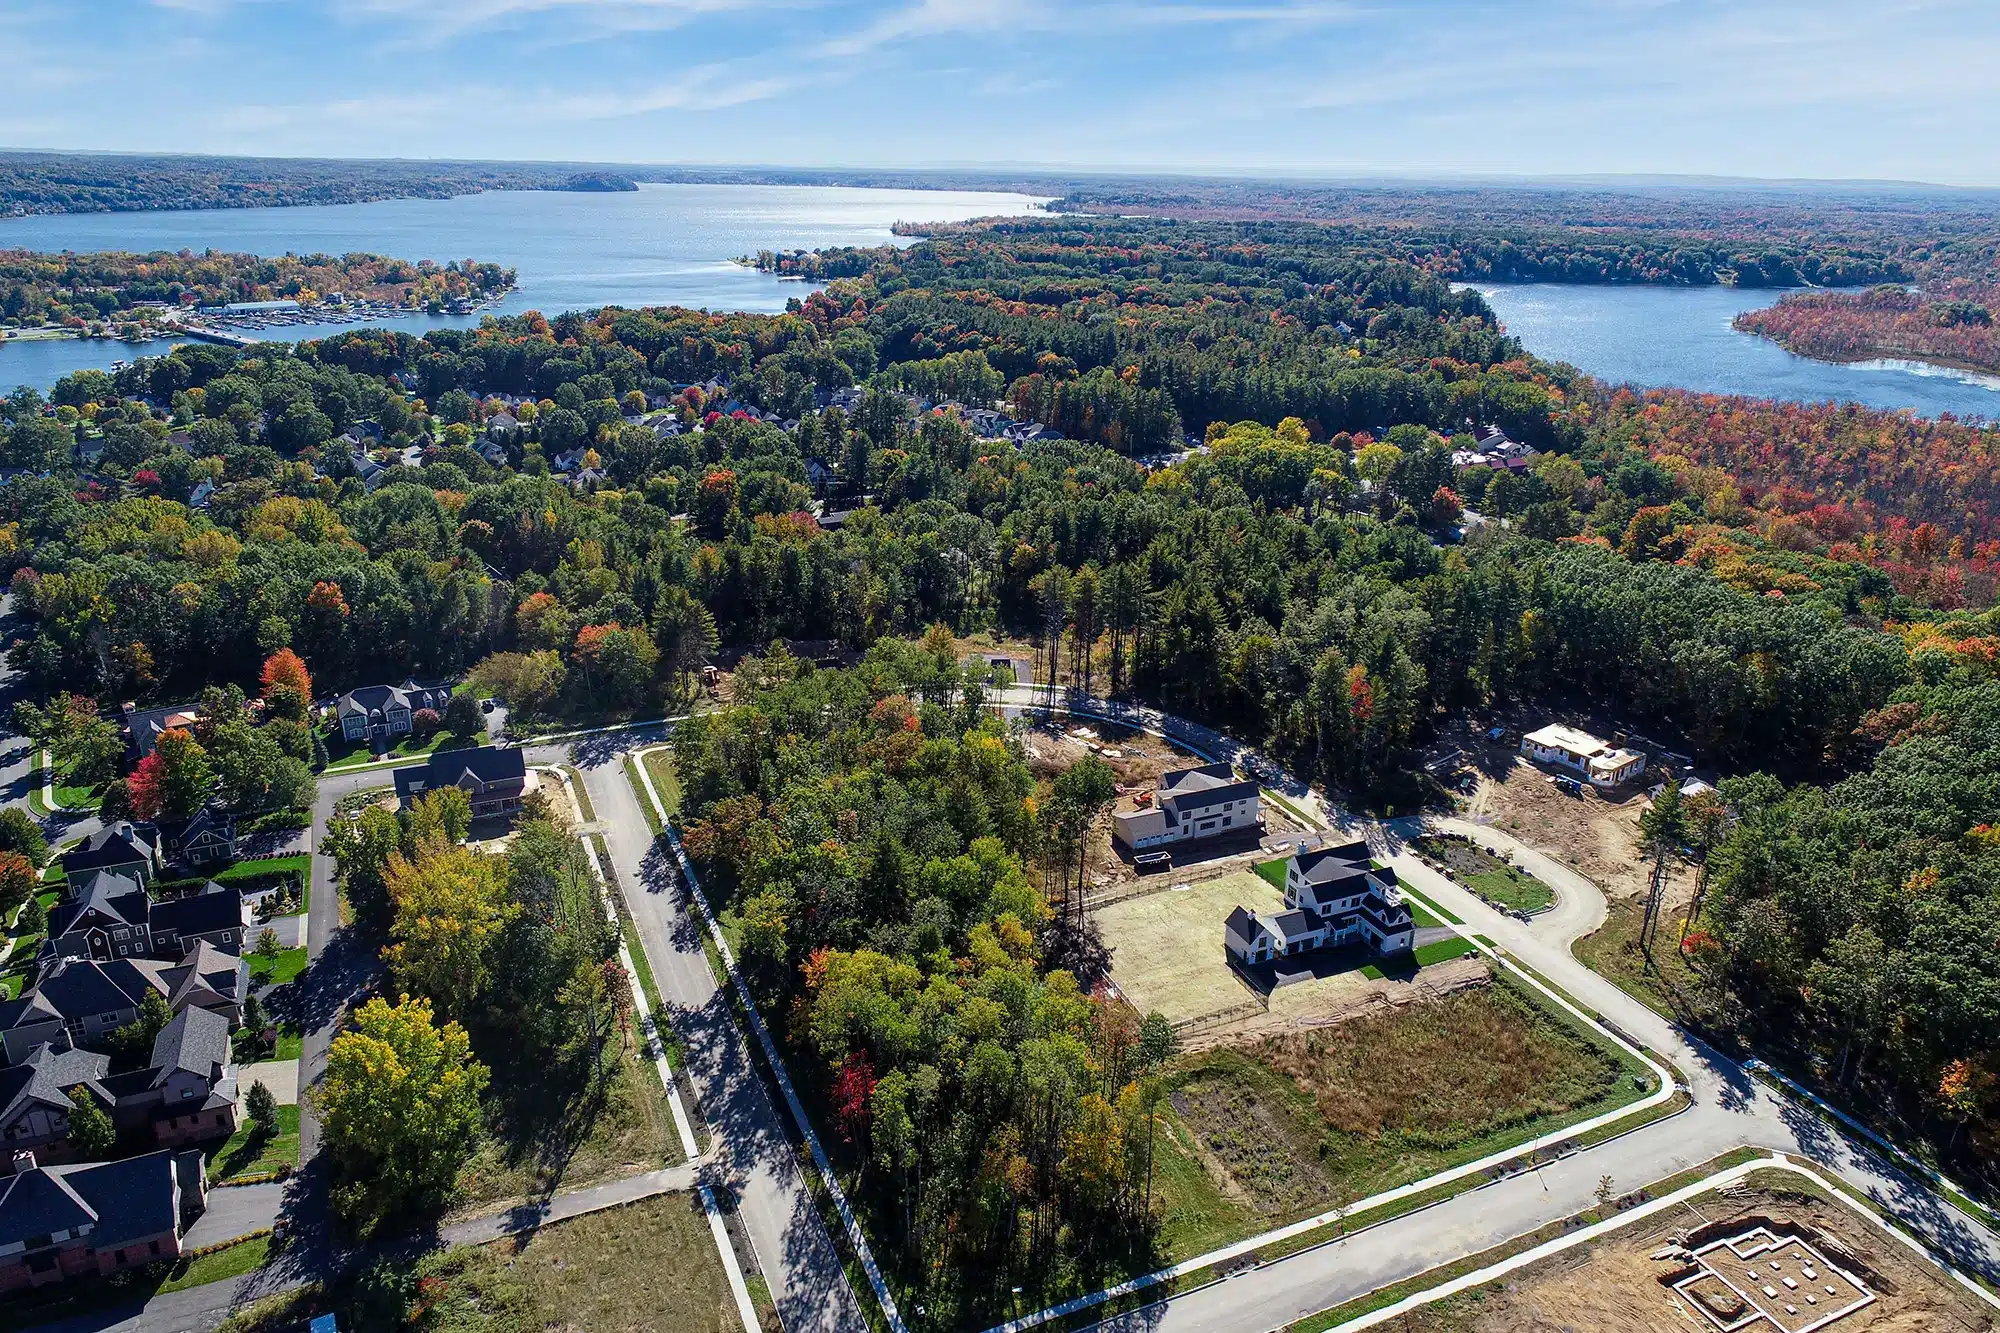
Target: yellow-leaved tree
399,1108
448,906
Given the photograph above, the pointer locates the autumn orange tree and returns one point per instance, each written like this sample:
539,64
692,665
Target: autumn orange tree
286,670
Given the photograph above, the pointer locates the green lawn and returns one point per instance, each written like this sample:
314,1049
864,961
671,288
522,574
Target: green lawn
666,780
1272,872
291,1042
582,795
1487,875
243,1257
70,795
283,967
244,1154
342,755
1444,951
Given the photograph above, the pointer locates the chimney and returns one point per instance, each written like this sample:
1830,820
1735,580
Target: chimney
128,708
24,1161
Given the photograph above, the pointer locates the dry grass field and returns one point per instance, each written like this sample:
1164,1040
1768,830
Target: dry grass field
1167,947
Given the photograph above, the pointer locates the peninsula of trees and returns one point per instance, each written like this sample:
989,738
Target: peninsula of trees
1948,324
79,291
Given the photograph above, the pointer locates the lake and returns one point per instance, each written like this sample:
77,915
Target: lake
1680,337
660,245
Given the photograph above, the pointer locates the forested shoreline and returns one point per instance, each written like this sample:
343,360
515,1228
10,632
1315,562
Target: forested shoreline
597,503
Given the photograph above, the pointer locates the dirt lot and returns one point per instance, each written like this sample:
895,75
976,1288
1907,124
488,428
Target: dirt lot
1138,759
1597,835
1616,1285
1167,955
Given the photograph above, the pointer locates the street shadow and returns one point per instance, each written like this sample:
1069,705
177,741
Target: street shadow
342,976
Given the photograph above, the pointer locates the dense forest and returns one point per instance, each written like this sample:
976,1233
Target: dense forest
78,290
878,832
1748,234
1950,323
130,182
1777,586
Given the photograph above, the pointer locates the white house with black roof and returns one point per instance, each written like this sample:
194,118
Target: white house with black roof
1188,805
1335,897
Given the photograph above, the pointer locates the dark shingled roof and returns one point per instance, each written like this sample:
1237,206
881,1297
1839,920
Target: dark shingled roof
45,1075
120,898
216,907
129,1200
197,1041
488,764
39,1203
117,844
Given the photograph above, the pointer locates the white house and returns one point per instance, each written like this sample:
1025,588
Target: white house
1334,897
1602,763
1189,804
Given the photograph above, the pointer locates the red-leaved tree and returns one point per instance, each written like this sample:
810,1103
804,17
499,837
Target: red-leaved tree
852,1087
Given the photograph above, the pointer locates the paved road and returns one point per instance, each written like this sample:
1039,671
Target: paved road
755,1157
1730,1110
234,1211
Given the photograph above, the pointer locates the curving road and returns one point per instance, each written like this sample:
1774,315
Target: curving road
1729,1110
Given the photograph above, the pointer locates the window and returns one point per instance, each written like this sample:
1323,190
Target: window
187,1092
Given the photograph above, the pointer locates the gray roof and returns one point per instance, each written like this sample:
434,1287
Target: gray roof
1292,924
371,700
39,1203
216,907
205,965
1245,925
115,845
75,988
477,768
119,898
44,1076
128,1200
197,1042
1188,789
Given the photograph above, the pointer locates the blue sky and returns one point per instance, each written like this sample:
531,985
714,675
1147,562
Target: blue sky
1899,89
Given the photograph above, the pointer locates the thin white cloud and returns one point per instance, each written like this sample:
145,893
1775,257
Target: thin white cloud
431,21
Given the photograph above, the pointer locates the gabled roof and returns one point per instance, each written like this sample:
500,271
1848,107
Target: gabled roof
1196,788
487,764
76,988
1289,926
205,966
196,1042
208,822
146,726
118,844
371,700
216,907
111,899
129,1200
45,1076
1244,924
40,1203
